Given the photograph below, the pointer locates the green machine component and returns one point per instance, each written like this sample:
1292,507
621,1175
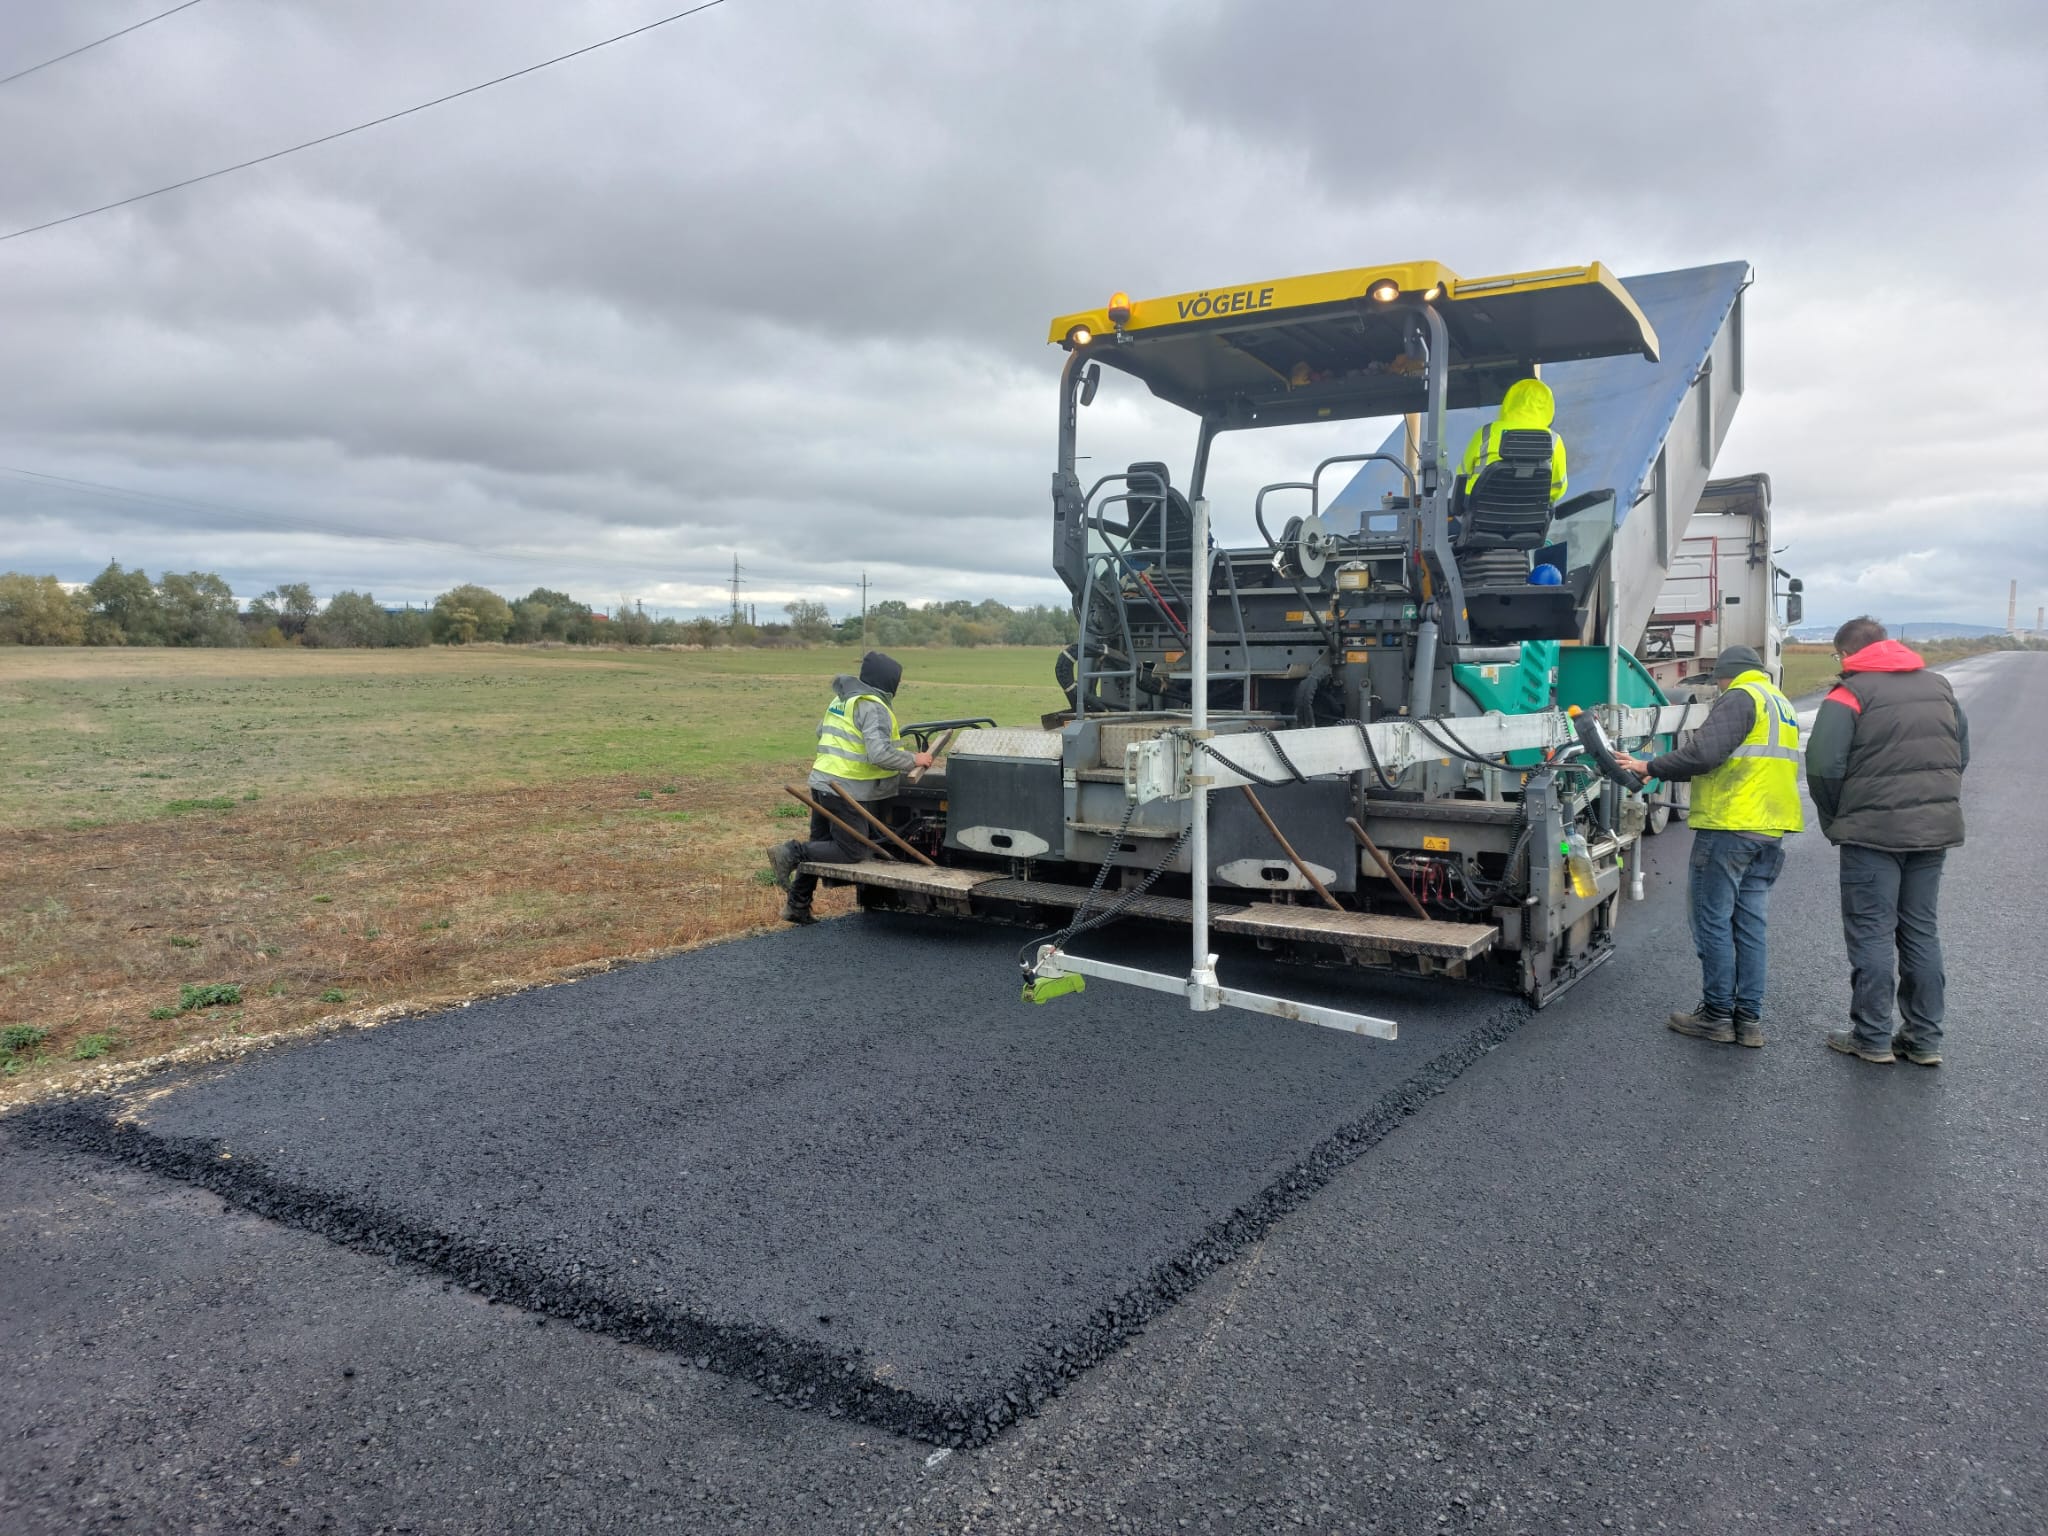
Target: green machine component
1551,675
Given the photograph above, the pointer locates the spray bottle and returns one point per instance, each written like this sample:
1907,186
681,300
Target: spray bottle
1578,860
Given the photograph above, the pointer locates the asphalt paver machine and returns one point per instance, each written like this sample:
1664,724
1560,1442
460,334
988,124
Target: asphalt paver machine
1381,736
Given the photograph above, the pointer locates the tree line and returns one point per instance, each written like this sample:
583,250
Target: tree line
198,608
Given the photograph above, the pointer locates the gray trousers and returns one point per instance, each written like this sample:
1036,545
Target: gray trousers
828,844
1890,903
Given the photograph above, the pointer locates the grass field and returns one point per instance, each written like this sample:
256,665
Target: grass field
348,832
1811,668
120,735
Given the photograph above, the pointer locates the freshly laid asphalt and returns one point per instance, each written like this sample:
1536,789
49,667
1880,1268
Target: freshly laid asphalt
849,1164
1520,1274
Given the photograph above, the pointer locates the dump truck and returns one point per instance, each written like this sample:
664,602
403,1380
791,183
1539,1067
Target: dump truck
1381,737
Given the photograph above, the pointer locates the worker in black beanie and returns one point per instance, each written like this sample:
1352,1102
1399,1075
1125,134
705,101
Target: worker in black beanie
1743,762
859,758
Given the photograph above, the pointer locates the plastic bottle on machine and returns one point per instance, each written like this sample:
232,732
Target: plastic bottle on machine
1578,859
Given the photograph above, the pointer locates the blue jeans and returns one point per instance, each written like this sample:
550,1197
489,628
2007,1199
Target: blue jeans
1730,893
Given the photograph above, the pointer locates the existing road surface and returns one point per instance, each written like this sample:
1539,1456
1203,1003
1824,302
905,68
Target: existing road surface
1605,1279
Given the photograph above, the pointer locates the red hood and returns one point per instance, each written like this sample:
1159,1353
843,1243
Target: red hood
1883,656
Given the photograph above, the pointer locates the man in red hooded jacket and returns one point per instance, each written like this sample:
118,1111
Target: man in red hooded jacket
1885,767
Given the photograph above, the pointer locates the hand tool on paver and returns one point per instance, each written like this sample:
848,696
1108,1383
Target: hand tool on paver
867,843
1288,848
890,833
1387,868
916,775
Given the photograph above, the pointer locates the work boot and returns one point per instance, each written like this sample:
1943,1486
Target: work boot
1705,1022
783,859
798,912
1901,1046
1749,1029
1845,1042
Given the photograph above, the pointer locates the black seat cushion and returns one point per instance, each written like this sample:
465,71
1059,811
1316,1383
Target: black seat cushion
1507,505
1147,480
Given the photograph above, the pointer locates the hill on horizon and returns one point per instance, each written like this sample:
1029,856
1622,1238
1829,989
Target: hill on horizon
1905,629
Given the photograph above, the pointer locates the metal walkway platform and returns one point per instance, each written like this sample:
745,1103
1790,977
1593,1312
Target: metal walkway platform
962,889
917,878
1360,930
1165,909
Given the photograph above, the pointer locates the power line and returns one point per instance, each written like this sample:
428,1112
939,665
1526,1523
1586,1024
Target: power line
375,122
85,47
327,530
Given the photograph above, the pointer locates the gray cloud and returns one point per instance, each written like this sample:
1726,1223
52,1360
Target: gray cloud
774,280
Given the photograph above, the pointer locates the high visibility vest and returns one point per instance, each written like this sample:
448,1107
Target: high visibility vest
1757,789
1484,449
842,752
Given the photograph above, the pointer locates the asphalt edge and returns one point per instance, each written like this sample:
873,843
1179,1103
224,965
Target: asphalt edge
791,1371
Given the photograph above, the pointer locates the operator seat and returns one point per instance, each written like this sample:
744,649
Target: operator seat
1507,505
1501,520
1150,530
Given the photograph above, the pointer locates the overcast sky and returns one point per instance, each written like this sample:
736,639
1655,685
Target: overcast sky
774,280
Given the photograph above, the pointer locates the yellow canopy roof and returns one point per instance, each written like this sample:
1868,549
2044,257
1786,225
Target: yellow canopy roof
1328,347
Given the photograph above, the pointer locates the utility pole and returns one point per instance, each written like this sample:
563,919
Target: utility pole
2012,608
863,610
736,590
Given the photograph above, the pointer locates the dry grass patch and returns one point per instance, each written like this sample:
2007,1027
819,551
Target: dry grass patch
111,936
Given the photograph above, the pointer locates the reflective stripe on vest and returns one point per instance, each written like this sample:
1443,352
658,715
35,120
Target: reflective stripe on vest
1757,788
842,752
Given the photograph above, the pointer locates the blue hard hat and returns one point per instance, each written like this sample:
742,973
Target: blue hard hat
1546,576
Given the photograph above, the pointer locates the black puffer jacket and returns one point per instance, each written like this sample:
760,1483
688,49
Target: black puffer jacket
1886,758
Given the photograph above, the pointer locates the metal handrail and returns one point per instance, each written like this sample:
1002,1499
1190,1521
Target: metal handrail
1259,517
1259,506
1316,495
1122,558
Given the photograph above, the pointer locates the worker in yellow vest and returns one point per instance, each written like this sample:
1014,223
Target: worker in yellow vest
859,758
1528,406
1744,765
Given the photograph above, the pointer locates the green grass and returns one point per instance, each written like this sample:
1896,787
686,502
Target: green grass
99,736
1812,668
213,995
92,1047
22,1037
1807,670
